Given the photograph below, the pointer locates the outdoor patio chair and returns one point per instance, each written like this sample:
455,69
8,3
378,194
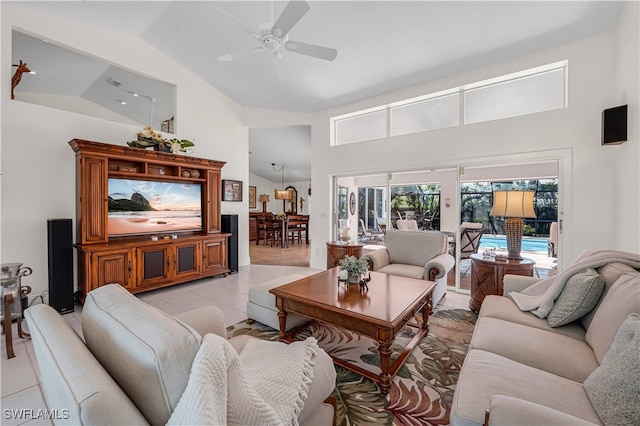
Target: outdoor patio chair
365,235
470,234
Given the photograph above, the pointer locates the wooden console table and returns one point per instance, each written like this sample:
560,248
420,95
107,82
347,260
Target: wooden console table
487,276
337,250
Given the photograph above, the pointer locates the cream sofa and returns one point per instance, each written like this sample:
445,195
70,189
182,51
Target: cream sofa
527,373
136,362
419,254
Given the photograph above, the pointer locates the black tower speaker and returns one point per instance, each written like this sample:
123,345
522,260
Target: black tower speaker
230,225
60,244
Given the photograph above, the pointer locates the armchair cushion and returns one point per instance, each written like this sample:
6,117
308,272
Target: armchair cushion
414,248
403,270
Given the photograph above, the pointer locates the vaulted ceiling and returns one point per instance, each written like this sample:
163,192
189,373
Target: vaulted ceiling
382,45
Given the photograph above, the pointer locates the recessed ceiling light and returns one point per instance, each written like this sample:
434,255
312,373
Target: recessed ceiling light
122,102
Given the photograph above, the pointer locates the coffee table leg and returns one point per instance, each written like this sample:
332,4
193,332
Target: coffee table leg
282,319
426,311
384,349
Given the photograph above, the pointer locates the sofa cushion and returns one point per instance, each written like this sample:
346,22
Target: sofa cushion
613,387
509,411
579,295
505,309
147,352
622,299
485,374
535,347
414,248
72,380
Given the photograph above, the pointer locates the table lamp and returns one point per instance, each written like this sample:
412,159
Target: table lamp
264,199
513,205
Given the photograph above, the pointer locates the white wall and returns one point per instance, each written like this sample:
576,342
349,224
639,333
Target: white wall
572,133
626,190
38,173
263,186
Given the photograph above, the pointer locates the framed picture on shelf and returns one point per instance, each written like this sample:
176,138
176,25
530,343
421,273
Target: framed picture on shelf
231,190
252,197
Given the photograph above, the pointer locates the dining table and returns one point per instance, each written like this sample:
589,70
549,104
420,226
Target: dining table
278,227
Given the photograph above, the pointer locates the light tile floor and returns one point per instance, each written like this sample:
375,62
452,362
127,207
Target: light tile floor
21,397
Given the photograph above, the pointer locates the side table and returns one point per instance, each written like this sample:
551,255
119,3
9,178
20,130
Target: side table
337,250
487,276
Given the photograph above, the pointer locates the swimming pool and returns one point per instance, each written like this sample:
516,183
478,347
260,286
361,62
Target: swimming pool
528,243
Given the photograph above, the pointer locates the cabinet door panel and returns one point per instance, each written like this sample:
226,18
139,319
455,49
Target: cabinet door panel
187,259
154,265
113,267
213,197
215,255
93,197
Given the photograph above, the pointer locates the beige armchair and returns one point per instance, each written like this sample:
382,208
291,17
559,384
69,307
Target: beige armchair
420,255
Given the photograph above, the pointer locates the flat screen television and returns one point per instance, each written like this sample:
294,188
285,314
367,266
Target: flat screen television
149,207
614,125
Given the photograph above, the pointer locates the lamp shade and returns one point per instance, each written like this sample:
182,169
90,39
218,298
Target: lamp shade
283,194
264,198
513,204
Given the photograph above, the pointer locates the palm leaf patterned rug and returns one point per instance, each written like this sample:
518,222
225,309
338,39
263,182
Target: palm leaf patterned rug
421,392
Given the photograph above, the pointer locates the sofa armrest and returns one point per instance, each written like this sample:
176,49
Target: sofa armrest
377,258
517,283
509,411
442,263
204,320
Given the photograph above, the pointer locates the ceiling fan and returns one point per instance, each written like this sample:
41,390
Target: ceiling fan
274,39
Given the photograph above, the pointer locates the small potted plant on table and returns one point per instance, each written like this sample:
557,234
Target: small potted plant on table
354,267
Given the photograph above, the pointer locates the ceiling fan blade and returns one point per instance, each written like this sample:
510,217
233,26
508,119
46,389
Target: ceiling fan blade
292,13
321,52
239,54
252,30
282,69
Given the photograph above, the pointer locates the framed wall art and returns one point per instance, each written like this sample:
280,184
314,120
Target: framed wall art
252,197
231,190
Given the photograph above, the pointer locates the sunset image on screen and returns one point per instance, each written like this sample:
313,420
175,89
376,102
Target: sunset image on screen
142,207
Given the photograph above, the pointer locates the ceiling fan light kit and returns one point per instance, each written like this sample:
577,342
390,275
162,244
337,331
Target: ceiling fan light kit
275,38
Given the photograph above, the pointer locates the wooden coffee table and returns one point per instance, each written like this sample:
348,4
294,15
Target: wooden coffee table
380,313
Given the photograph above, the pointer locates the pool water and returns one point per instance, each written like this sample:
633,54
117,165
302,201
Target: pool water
528,243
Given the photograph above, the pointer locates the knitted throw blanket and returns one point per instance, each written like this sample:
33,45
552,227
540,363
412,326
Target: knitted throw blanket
266,385
540,297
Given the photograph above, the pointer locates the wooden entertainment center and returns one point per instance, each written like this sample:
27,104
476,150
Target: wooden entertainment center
145,261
